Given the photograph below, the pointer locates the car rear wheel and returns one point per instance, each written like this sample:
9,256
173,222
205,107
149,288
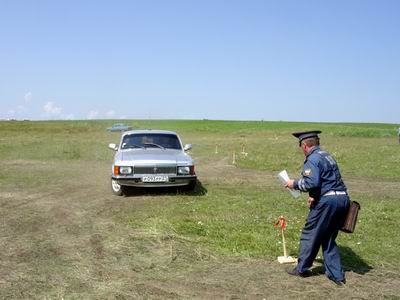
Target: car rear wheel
116,188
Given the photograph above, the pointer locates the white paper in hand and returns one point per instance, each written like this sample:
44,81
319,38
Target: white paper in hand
284,178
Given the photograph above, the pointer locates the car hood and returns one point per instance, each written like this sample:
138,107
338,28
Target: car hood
152,156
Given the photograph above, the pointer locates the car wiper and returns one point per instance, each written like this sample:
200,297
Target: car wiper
132,146
152,144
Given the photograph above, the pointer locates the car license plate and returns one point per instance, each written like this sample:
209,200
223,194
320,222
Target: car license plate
156,178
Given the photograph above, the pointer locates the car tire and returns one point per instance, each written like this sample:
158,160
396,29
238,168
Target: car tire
191,186
116,188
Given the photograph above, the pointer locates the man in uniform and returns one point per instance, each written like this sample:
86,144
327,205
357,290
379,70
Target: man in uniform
328,202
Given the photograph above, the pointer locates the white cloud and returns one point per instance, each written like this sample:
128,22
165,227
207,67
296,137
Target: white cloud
17,112
70,117
51,108
28,97
21,109
92,115
11,112
110,114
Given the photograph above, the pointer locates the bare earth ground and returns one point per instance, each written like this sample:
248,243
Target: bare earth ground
62,242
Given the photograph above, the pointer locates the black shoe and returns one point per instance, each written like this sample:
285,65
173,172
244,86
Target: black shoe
338,282
295,272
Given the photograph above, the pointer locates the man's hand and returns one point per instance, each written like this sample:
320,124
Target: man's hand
290,184
310,201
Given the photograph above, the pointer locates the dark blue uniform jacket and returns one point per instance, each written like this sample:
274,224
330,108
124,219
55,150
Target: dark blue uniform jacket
320,174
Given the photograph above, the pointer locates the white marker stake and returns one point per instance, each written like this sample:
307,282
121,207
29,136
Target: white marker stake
216,149
284,244
233,158
244,153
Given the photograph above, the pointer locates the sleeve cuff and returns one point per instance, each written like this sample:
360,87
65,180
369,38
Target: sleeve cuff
296,185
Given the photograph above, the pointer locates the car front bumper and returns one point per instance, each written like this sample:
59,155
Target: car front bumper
173,180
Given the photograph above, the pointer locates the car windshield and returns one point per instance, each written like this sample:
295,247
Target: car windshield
151,140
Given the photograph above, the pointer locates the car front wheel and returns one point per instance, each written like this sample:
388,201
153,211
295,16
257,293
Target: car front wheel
191,186
116,188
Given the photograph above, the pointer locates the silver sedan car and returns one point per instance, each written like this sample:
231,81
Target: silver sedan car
119,127
151,158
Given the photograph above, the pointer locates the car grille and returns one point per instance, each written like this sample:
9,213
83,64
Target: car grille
155,170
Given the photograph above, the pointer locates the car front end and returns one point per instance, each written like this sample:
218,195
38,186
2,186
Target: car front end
153,174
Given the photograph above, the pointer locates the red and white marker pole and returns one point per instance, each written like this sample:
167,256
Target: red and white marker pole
285,259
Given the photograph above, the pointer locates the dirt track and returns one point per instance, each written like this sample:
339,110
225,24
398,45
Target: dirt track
62,242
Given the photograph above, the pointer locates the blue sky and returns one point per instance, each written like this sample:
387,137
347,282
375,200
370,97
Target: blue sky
329,61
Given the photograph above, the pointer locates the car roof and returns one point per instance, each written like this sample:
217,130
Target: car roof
143,131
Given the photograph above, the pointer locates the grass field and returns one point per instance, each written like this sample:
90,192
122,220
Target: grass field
64,236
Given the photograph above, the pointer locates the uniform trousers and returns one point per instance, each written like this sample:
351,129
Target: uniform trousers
321,229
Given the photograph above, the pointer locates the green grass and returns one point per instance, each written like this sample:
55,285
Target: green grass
231,223
243,224
357,156
230,219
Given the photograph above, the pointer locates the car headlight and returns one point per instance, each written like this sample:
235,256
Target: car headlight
124,170
189,170
183,170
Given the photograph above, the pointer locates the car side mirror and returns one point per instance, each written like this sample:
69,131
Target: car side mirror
113,147
187,147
